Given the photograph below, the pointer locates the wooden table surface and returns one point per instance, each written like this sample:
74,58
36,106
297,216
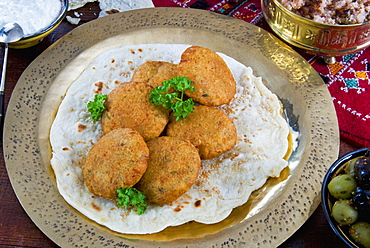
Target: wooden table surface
17,229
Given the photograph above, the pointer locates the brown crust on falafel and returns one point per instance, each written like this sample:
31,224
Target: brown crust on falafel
155,72
173,167
118,159
209,129
129,106
213,81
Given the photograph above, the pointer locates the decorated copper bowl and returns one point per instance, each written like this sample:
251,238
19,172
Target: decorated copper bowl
326,40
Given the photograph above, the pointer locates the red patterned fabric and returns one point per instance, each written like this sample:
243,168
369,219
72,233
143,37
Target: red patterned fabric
348,80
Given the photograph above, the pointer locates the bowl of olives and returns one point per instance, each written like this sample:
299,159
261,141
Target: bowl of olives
345,198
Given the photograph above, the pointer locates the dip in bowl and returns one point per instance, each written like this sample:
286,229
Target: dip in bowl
37,18
344,200
323,39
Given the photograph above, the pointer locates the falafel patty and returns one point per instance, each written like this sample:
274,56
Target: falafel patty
213,81
118,159
155,72
209,129
128,105
173,167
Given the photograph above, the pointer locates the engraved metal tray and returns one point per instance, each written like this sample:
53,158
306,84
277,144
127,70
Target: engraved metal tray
274,212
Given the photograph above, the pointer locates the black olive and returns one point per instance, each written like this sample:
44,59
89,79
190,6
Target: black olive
362,171
361,200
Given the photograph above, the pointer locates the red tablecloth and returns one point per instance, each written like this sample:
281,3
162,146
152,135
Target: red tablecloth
348,80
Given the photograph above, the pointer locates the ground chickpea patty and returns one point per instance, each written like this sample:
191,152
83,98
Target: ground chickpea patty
155,72
128,105
118,159
209,129
173,167
213,81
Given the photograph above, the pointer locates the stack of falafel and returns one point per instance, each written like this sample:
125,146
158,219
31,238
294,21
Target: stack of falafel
145,147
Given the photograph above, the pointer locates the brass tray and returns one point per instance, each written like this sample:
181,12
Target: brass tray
275,212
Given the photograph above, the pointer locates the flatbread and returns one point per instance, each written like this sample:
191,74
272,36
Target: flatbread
75,4
112,6
225,182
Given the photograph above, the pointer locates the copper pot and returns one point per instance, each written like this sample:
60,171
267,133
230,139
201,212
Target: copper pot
321,39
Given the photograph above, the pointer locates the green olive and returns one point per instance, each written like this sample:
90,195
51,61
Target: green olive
344,213
342,186
349,167
360,233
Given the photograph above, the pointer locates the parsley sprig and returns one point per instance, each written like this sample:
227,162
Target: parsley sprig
130,198
175,101
96,107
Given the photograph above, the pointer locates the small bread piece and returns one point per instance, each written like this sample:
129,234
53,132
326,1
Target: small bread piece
213,81
155,72
173,167
128,105
209,129
118,159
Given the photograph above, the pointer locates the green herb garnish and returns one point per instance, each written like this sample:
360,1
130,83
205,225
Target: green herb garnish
131,197
174,101
96,107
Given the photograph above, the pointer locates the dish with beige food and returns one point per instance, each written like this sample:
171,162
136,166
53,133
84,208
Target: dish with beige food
342,12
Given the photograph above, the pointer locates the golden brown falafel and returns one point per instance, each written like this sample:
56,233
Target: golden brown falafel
213,81
173,167
155,72
118,159
209,129
128,105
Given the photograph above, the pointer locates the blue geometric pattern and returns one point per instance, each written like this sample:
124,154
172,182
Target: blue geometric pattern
352,83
